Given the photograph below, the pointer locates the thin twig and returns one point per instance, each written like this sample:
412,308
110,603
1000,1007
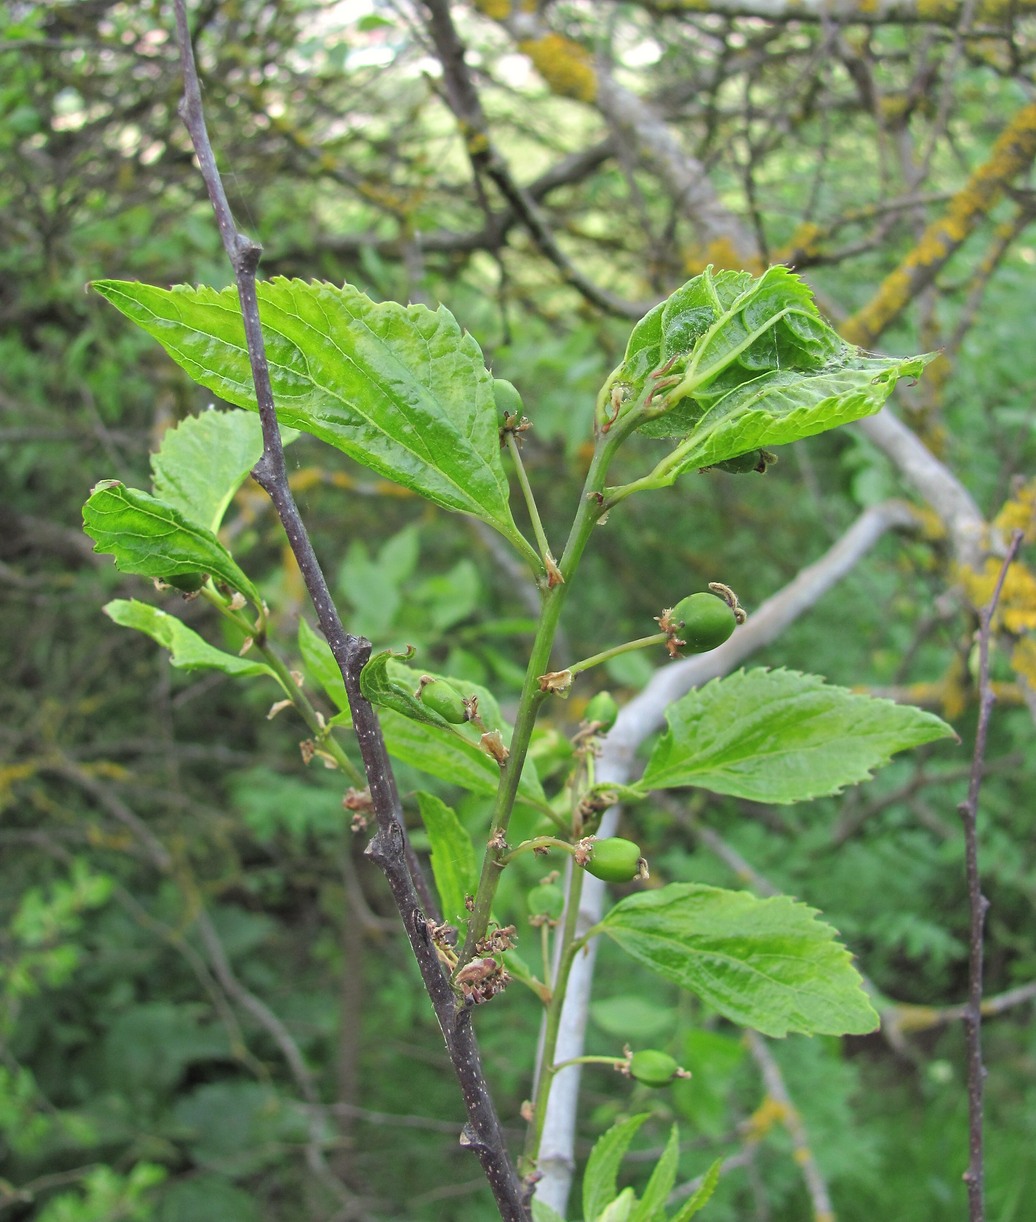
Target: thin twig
389,847
974,1177
802,1151
463,100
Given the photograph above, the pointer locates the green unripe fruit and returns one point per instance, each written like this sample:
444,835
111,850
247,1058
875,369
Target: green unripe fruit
653,1068
615,860
443,698
508,400
742,464
603,709
189,583
546,900
703,621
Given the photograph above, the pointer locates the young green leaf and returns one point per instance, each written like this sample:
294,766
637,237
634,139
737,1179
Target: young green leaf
781,736
321,667
400,389
203,461
700,1198
602,1167
762,963
417,734
453,758
152,539
781,406
621,1209
389,685
730,364
188,650
542,1212
453,855
650,1206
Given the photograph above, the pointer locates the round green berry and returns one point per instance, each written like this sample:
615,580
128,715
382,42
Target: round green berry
546,900
703,621
602,709
443,698
614,860
508,400
653,1068
742,464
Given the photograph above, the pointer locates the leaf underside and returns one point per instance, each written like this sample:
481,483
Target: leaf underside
152,539
188,650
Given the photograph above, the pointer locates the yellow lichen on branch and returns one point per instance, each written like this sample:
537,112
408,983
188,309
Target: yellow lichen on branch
1016,609
1012,154
564,65
499,10
722,253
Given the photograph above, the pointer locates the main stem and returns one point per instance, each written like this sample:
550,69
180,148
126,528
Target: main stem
389,848
591,507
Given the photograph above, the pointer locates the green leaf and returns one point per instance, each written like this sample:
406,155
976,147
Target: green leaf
401,390
152,539
377,585
453,855
782,406
762,963
417,734
699,1199
189,651
203,461
389,685
621,1209
781,736
453,758
660,1185
602,1167
542,1212
730,364
321,667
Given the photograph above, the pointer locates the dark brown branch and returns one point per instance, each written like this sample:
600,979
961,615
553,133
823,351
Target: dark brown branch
569,170
464,101
974,1177
389,847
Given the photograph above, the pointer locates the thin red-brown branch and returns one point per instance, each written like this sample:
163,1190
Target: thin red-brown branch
974,1177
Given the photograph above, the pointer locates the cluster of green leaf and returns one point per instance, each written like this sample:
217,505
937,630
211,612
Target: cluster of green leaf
414,411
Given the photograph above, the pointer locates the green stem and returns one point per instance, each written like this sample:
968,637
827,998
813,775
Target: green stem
538,842
300,701
657,638
552,1024
615,1062
591,506
530,501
